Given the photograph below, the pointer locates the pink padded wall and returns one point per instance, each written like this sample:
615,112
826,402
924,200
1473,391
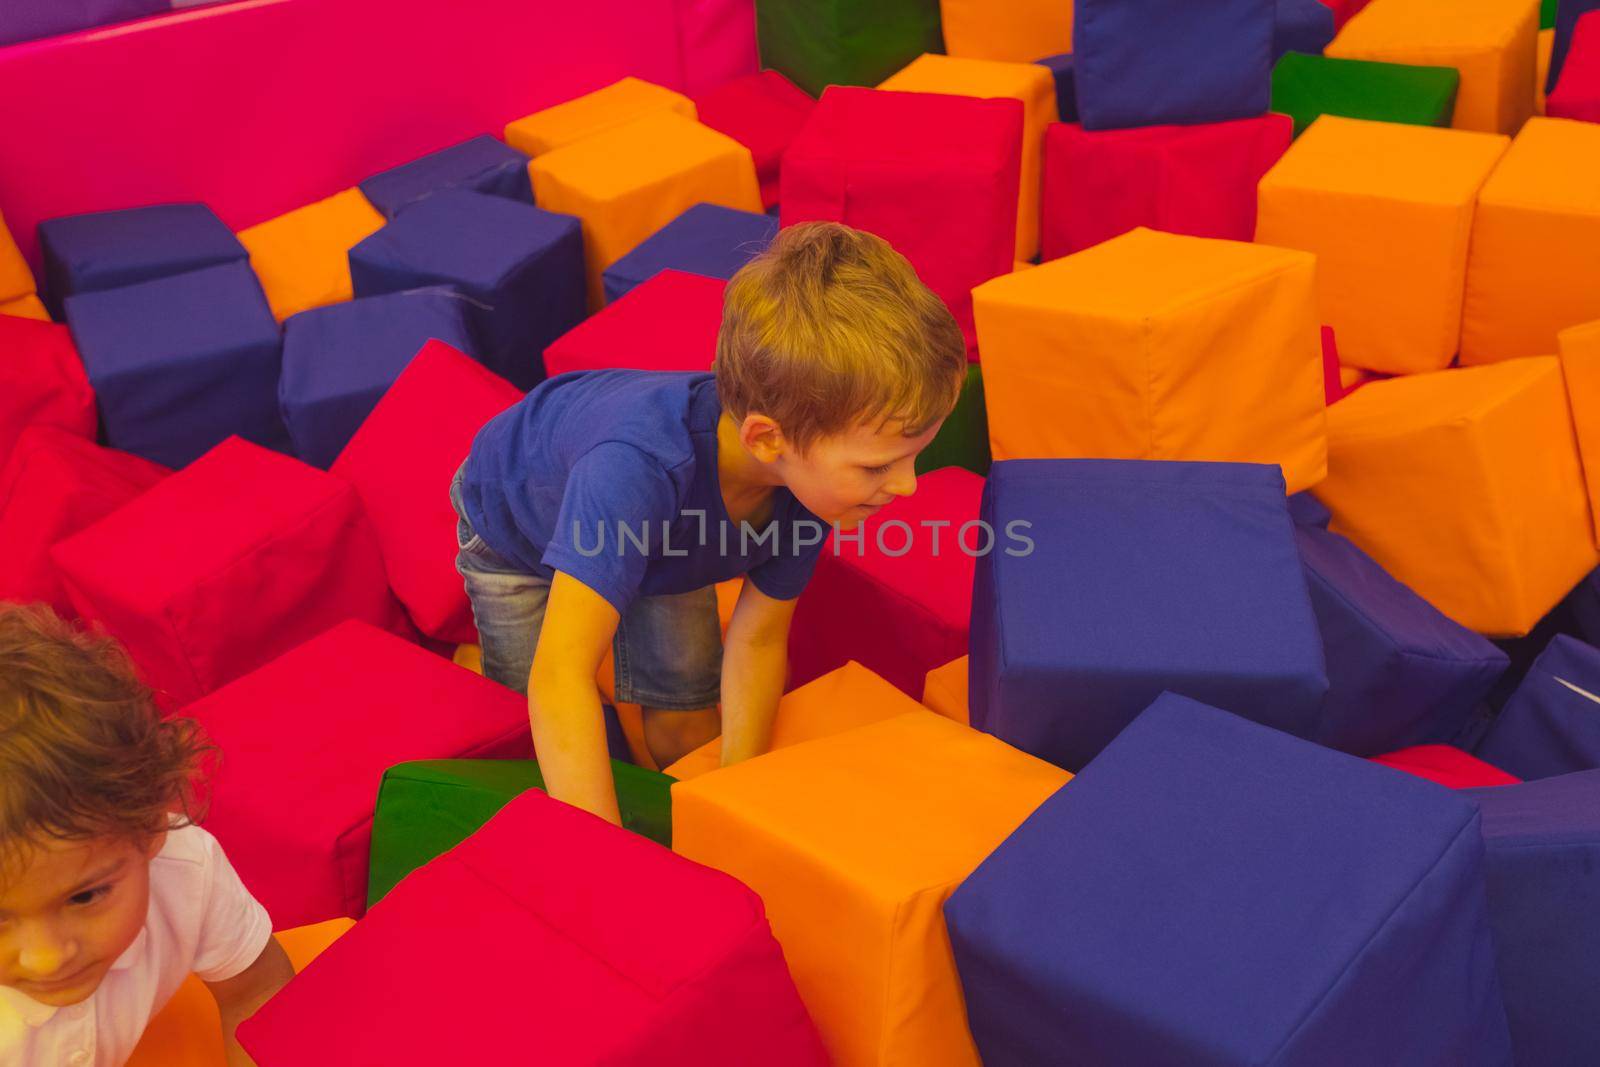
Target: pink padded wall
261,106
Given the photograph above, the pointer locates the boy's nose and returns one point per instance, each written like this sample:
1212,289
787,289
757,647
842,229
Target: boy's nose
43,954
903,479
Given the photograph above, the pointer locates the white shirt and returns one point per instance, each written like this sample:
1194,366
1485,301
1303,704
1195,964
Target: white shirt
202,919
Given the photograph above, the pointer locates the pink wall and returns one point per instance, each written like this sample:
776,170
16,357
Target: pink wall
260,106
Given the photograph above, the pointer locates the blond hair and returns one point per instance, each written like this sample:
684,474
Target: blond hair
830,328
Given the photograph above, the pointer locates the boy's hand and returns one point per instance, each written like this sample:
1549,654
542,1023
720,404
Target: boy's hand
569,732
755,667
239,997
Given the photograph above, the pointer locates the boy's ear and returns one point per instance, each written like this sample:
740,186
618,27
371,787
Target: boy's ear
762,437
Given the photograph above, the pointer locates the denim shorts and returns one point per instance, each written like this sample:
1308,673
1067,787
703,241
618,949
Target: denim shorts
667,649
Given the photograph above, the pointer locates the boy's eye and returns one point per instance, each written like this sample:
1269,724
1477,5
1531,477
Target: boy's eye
878,470
88,896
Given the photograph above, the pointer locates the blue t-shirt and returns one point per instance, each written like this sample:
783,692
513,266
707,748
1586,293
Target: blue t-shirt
611,477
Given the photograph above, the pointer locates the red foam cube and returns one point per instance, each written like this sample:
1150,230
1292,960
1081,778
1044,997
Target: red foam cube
936,176
42,381
1447,765
401,461
669,322
55,484
763,112
1344,10
1195,180
229,563
551,936
1577,94
897,599
305,741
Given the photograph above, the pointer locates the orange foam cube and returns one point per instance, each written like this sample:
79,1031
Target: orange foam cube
16,280
1030,83
27,307
1580,363
945,690
1466,486
618,103
1491,42
1387,209
1546,49
1018,31
854,842
1158,346
840,700
303,257
1534,265
627,182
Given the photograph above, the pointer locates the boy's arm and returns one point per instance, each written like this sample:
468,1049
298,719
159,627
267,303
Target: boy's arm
755,667
239,997
569,733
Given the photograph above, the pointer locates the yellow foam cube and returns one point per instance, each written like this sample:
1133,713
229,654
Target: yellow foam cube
1580,363
1019,31
303,257
1534,265
16,280
1387,209
1466,486
1158,346
629,181
618,103
944,690
854,842
1030,83
26,307
1491,42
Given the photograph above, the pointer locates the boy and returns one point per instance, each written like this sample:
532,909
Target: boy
602,509
109,895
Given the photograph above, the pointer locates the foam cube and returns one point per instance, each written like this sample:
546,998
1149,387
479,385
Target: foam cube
1344,10
629,181
1577,95
1580,366
55,484
188,1031
1117,580
480,164
707,240
302,257
1030,83
1387,208
1060,68
1547,15
936,176
1542,872
1197,180
339,360
296,817
944,690
110,249
1304,87
1534,265
763,112
180,363
16,280
1490,42
963,440
1568,14
427,807
1546,45
1306,510
1446,765
28,21
1551,724
401,461
568,954
584,116
42,381
236,559
896,599
26,307
854,841
1254,899
1142,63
1301,26
1014,31
520,267
1158,346
1466,486
1399,672
844,42
668,323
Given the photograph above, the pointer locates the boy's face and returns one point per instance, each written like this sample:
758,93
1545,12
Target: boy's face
846,477
68,910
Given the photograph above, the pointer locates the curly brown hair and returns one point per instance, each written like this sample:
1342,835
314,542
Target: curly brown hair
84,752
